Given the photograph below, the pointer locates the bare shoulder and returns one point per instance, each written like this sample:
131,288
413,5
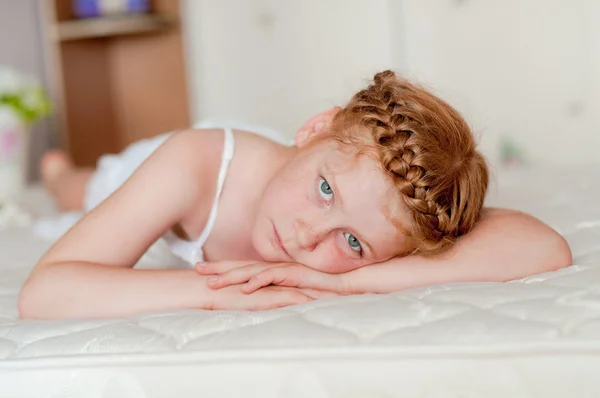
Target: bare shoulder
255,143
194,146
196,155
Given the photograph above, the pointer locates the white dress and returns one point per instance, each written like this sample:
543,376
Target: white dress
113,170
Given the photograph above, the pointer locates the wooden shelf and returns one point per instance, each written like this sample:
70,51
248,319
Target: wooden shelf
111,26
116,80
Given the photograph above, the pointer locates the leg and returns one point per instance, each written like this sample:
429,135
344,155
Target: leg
65,182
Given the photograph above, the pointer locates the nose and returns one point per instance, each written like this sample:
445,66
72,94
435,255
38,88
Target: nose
308,237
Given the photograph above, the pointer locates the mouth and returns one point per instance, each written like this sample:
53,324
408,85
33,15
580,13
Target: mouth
280,242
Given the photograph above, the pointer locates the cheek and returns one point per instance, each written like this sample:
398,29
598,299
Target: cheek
327,258
287,197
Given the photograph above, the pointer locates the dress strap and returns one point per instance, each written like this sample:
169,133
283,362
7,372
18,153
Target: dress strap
228,150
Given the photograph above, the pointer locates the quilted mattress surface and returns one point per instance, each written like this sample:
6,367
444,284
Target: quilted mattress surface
531,337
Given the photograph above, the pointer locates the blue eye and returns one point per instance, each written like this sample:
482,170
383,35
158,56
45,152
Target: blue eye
325,190
353,242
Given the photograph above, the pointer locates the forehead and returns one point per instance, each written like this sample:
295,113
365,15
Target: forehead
368,201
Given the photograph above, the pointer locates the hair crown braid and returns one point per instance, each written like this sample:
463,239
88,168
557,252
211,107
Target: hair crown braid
429,152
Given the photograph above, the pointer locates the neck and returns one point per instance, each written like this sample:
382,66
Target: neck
279,155
282,155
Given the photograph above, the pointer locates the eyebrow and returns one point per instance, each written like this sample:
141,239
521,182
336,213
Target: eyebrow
338,195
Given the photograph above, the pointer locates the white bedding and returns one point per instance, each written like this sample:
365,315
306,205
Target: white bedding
535,337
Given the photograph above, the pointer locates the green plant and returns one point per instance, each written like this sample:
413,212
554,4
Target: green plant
27,99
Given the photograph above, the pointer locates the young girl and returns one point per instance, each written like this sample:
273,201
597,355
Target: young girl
375,197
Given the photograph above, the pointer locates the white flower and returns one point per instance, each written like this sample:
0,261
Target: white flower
23,95
32,98
10,81
8,118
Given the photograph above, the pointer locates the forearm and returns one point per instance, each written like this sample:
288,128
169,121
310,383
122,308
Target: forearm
76,290
414,271
505,245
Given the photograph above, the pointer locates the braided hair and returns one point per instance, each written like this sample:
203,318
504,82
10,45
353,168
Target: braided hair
428,151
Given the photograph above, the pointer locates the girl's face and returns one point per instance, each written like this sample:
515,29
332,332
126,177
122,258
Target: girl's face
327,209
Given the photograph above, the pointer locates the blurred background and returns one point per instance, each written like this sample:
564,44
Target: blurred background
525,73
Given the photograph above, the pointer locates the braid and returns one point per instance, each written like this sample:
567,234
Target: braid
428,151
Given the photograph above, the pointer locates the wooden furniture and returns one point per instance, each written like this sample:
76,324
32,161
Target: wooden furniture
115,79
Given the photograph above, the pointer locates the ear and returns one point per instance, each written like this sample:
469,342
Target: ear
314,126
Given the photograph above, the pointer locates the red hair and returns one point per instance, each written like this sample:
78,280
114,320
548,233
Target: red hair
427,150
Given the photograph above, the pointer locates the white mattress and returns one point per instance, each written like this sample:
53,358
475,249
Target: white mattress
535,337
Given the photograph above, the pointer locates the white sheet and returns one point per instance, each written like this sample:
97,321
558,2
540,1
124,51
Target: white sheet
536,337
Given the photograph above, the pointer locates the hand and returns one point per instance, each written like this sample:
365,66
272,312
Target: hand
255,276
232,298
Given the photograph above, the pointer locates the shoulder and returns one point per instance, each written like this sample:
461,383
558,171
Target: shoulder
194,142
199,151
191,154
250,146
191,143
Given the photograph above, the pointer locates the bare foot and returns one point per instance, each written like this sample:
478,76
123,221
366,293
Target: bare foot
52,166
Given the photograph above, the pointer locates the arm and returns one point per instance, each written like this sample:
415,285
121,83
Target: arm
505,245
88,271
87,290
95,291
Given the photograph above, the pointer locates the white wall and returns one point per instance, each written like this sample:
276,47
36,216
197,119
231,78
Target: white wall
277,62
529,69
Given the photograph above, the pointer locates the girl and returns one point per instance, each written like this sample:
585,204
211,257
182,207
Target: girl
375,197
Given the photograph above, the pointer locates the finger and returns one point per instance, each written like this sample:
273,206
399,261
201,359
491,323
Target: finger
320,294
235,276
292,298
293,276
320,281
283,298
284,276
219,267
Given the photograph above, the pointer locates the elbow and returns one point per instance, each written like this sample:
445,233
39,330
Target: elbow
550,252
541,248
34,300
30,304
27,305
558,253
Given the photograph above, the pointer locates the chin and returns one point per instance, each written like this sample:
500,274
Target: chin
264,249
269,257
268,253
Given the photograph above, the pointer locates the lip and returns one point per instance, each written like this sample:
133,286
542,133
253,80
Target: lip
279,242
